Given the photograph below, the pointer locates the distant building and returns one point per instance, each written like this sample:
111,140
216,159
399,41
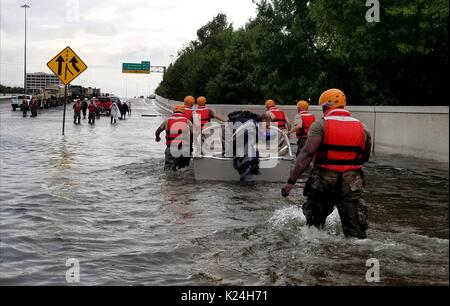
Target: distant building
41,80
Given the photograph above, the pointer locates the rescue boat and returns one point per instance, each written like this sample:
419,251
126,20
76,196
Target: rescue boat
214,166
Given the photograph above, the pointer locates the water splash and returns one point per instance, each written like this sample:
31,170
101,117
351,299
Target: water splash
292,218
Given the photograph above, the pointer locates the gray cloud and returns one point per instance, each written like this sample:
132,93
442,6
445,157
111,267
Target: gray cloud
105,34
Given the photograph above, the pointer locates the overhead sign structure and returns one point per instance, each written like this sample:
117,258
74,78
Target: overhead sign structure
142,68
158,69
67,65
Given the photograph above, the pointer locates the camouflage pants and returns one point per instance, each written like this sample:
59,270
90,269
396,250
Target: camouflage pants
326,189
174,163
300,144
76,117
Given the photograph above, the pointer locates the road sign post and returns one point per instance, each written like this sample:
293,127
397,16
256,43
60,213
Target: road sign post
66,65
64,113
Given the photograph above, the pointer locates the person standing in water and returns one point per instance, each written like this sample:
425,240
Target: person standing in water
341,145
84,107
92,112
178,139
114,113
303,122
77,112
24,107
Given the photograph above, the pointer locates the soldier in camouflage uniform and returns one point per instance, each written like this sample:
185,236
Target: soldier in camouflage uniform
178,139
340,144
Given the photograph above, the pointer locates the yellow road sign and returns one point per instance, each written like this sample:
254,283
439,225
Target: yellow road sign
67,65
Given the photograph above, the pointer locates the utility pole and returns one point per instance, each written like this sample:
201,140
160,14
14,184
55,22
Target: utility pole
25,6
126,88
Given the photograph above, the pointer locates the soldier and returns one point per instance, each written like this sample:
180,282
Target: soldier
124,110
77,112
24,107
92,112
98,105
34,107
276,116
303,122
341,144
205,114
84,107
178,139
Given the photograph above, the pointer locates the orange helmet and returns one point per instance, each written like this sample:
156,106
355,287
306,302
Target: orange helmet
270,103
303,105
189,101
179,109
333,98
201,101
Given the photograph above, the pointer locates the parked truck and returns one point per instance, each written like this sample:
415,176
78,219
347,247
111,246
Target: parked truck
53,96
50,96
80,92
77,91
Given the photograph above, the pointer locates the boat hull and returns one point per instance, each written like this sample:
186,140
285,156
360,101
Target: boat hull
221,169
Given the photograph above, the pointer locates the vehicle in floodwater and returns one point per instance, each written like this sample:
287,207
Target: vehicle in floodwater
16,101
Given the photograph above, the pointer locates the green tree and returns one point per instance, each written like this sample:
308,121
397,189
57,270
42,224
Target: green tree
295,49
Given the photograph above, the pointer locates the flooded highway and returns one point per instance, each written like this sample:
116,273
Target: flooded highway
100,195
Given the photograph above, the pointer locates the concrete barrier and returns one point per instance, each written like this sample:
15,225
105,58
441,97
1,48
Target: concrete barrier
418,131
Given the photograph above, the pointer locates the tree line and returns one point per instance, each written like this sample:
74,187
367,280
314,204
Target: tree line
295,49
10,90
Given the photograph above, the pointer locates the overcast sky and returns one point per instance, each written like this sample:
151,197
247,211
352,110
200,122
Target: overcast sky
106,33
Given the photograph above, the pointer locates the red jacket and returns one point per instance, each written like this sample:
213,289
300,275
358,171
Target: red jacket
92,108
77,107
343,142
280,118
188,113
176,128
203,112
307,120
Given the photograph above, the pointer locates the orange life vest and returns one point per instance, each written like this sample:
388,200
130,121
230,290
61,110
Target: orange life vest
92,108
280,118
203,112
176,128
307,120
77,107
188,113
343,142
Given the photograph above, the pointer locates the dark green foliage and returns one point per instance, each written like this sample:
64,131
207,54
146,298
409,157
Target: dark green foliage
295,49
11,90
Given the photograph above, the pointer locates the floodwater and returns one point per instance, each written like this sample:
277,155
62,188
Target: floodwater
99,195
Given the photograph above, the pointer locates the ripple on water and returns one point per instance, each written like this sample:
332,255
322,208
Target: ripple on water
100,195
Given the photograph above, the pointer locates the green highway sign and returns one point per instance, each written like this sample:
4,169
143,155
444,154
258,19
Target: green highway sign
142,68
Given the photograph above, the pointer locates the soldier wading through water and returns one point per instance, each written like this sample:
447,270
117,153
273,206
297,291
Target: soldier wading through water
178,139
341,145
